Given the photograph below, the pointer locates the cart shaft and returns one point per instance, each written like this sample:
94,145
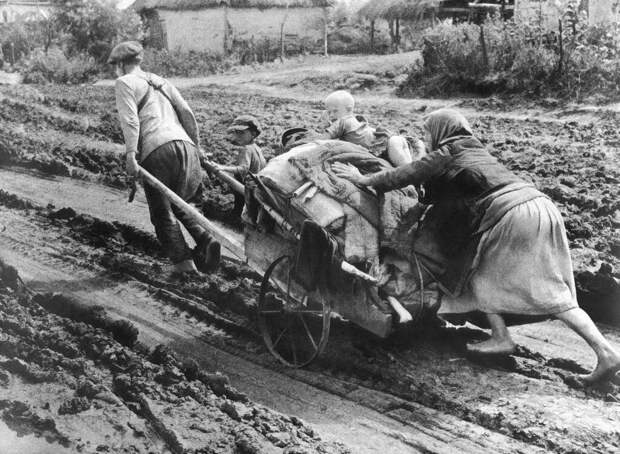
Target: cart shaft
225,177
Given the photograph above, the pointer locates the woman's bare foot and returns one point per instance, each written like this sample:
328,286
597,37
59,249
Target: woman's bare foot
500,342
492,347
608,358
608,365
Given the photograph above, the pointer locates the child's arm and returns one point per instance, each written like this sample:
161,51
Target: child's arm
242,166
334,131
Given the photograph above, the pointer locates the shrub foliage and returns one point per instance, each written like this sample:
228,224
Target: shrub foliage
72,45
54,66
574,60
183,64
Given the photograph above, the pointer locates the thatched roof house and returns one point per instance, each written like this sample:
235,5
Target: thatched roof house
185,5
397,9
545,12
24,10
416,10
219,25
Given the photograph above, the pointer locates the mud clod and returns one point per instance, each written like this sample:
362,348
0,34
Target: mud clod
89,389
19,417
169,376
63,213
74,406
567,365
9,277
236,410
123,331
191,369
245,443
599,294
5,378
162,355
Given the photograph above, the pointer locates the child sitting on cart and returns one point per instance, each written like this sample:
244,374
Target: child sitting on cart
243,132
344,125
348,127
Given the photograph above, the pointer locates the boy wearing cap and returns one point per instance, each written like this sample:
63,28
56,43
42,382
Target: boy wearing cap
161,134
243,132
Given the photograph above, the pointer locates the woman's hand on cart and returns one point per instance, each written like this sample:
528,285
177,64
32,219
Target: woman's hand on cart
349,172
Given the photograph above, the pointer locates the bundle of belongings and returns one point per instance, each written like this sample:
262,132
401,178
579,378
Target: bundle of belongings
380,141
373,231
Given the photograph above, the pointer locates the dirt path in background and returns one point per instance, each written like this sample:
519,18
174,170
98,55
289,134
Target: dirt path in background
311,79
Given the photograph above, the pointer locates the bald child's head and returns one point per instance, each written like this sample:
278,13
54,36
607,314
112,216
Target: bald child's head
339,104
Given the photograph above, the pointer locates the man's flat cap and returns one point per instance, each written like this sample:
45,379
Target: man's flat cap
125,51
292,135
243,122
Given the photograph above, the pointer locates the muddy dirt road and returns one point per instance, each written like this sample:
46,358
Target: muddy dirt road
386,413
66,225
362,419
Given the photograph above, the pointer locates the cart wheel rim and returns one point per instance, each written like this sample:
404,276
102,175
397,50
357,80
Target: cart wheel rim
294,324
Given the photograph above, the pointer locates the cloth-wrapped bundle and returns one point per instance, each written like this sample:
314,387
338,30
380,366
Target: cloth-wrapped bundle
365,222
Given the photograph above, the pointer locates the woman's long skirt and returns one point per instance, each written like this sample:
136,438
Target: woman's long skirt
522,266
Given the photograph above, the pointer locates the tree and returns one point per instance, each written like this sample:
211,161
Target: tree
93,27
393,11
282,43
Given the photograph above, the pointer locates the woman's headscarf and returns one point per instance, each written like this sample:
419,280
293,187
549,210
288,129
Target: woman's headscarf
444,124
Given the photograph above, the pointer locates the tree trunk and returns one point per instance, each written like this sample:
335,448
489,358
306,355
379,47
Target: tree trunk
282,49
561,62
282,41
372,35
226,31
325,31
485,55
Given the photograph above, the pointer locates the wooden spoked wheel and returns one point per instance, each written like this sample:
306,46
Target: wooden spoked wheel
294,323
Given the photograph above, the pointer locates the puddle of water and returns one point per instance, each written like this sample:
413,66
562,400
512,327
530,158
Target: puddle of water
11,443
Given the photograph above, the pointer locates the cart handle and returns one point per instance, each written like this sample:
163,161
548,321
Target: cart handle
224,177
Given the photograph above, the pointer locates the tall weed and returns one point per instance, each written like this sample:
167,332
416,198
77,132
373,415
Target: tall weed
54,66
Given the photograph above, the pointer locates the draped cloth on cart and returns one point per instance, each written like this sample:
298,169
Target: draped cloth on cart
364,221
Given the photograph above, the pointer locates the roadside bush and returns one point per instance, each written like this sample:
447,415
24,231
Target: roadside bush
355,39
183,64
73,44
592,62
19,38
93,27
576,60
41,67
247,52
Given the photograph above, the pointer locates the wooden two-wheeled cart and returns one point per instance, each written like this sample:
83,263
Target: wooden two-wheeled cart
294,322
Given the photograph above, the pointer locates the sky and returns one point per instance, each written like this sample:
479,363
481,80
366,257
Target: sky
122,4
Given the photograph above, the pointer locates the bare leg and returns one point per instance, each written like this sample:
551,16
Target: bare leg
608,358
500,343
398,151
